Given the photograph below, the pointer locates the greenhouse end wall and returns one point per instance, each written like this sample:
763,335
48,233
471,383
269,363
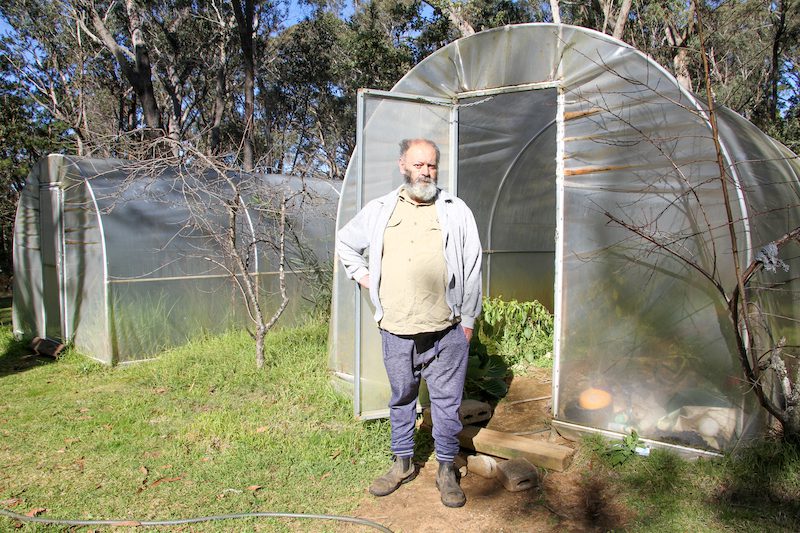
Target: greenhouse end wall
626,148
113,261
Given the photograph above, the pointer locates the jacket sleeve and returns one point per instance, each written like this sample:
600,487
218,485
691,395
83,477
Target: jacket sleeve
473,253
352,242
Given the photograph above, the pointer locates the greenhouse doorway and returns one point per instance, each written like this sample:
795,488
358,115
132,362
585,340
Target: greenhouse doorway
499,154
507,146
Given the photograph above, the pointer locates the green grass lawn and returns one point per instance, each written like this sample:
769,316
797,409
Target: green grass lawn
5,310
758,489
200,431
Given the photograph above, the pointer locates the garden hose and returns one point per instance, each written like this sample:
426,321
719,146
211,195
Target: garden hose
181,521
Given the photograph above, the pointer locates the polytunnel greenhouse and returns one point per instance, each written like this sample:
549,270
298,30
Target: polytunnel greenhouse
124,261
550,133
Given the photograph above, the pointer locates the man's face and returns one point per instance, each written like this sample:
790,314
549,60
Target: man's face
418,166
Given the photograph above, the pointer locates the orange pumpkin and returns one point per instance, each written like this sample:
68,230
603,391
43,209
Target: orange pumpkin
593,399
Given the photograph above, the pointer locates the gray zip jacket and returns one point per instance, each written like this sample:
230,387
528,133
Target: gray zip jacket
462,251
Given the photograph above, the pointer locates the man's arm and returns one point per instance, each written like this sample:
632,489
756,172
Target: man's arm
473,253
351,243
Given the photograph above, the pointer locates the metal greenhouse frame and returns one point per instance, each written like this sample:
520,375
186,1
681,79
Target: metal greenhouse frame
546,130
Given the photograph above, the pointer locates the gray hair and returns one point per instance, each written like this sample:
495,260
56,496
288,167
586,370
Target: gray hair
405,144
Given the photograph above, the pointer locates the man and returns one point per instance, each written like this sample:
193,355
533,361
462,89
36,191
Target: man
424,279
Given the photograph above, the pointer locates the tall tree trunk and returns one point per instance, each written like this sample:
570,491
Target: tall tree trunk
455,13
554,10
143,84
172,85
622,18
132,113
135,65
606,6
121,119
244,22
678,39
680,64
219,99
777,42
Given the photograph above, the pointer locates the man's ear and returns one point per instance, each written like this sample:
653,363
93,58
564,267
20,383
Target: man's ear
400,165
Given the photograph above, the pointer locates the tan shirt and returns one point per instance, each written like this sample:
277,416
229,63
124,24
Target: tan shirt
413,271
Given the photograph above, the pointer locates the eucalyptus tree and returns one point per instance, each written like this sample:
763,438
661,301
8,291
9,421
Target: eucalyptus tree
469,16
121,29
46,58
245,14
485,14
319,66
305,114
751,46
162,49
216,66
762,82
110,68
27,134
307,89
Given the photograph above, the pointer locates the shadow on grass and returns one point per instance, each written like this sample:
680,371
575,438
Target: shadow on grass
16,355
756,490
762,481
5,311
584,501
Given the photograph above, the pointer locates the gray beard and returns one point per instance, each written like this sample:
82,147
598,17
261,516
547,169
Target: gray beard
421,192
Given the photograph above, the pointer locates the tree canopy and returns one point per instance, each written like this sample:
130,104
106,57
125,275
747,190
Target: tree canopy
238,80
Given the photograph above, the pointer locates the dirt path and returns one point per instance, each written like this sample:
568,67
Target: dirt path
574,500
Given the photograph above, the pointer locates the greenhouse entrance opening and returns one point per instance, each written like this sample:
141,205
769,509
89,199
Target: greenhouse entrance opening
507,175
498,154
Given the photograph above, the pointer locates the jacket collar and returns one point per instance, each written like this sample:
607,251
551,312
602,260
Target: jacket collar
441,196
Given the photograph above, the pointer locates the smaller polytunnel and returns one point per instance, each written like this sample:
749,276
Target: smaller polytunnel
550,133
124,261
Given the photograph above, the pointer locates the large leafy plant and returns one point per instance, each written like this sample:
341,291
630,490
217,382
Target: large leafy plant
486,374
519,332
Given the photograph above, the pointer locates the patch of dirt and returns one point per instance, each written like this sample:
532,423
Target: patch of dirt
575,500
526,408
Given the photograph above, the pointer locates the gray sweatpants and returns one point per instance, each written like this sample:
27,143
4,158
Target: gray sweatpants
440,358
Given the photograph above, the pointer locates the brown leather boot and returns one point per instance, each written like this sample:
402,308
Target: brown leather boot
447,483
402,471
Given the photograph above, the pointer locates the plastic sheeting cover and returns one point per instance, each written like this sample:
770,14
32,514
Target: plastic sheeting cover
614,137
125,263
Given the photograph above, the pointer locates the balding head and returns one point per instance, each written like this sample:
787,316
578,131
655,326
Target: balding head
405,144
